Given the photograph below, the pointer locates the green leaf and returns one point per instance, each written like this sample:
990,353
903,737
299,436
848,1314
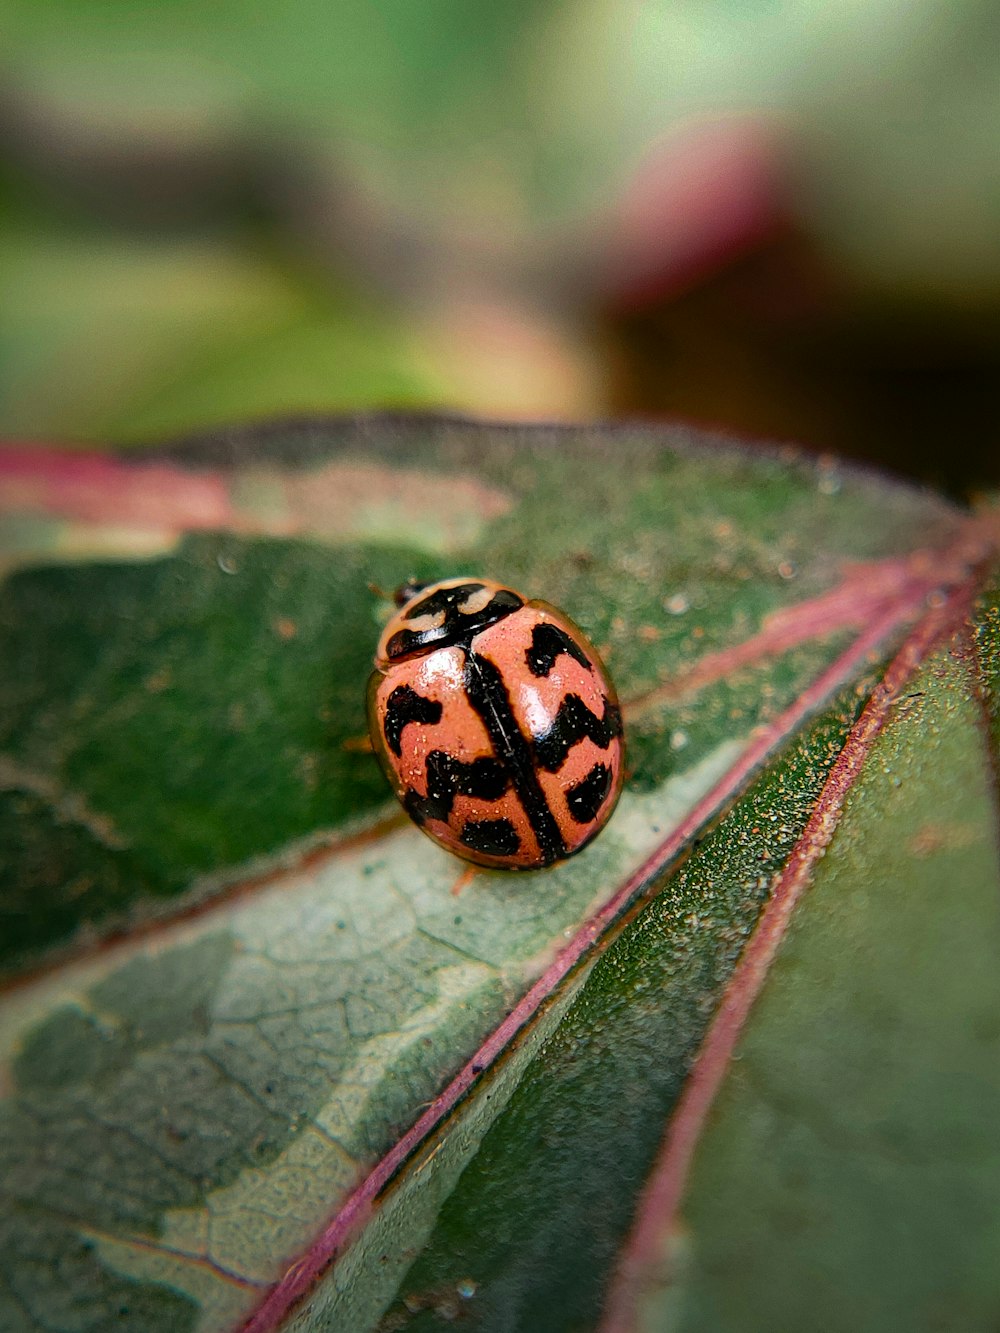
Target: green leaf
873,1090
248,1029
538,1231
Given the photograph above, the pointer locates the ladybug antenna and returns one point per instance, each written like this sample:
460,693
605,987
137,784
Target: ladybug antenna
410,589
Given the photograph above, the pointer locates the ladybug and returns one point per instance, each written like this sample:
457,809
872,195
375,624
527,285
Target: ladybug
495,723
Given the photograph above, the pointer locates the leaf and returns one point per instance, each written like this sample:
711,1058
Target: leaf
260,1067
872,1090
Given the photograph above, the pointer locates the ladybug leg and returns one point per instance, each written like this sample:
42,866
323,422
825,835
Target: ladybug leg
464,880
358,745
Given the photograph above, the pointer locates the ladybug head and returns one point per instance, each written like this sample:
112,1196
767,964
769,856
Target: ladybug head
408,590
437,615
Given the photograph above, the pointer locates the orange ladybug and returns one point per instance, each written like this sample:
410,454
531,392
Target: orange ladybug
495,723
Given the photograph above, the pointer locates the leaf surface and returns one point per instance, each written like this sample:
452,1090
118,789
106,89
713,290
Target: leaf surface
243,1000
872,1089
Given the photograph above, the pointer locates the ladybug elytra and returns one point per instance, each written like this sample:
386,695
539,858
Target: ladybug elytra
495,723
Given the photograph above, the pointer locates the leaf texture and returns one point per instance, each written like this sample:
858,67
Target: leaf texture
260,1067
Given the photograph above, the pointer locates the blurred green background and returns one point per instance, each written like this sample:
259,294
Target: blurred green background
782,218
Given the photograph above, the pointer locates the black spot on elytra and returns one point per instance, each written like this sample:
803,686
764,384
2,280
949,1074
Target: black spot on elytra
406,705
572,723
547,642
487,693
587,796
448,777
492,837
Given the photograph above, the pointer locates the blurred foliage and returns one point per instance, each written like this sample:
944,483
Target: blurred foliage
782,219
106,338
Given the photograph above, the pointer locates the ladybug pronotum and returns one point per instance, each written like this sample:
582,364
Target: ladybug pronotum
496,723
